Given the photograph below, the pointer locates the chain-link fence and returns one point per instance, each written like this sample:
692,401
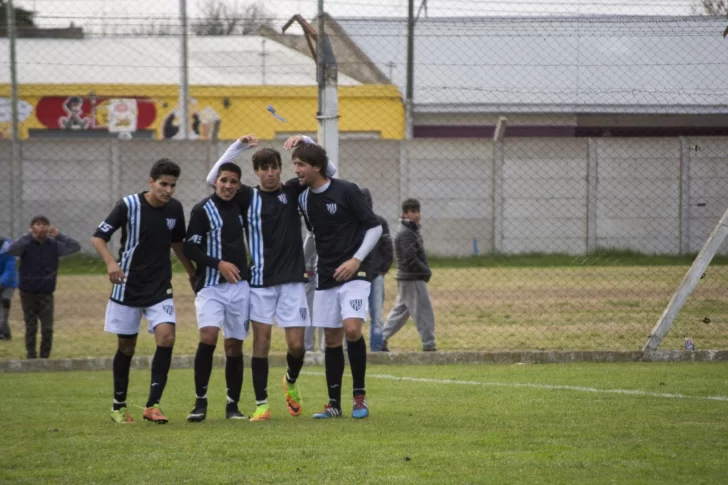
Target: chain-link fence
569,163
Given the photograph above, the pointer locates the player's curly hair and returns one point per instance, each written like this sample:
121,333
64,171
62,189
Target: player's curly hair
164,166
314,155
266,158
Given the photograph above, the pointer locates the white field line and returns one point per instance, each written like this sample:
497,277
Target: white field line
556,387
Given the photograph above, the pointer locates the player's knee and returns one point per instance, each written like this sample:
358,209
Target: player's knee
296,349
165,340
233,348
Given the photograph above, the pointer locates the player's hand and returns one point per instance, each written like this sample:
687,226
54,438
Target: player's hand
251,140
116,275
229,271
292,142
347,270
53,231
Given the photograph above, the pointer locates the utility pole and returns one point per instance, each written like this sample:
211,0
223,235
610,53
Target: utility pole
408,104
16,168
184,88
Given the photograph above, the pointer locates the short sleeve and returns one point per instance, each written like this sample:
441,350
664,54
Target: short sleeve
113,221
178,232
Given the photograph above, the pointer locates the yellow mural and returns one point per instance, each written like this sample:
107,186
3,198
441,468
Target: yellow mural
263,110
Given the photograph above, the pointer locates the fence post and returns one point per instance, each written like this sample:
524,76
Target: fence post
684,197
497,194
18,226
404,147
592,185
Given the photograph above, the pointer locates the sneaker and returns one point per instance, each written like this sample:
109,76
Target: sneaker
360,409
154,414
262,413
294,401
384,347
121,416
429,349
199,413
328,412
232,412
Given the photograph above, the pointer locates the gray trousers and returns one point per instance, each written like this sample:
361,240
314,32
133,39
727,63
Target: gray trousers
38,306
6,296
413,299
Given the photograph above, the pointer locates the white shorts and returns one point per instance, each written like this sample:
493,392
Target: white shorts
125,320
286,303
350,300
226,306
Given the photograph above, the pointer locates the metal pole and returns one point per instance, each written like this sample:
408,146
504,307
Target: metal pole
16,168
184,103
262,61
408,105
320,74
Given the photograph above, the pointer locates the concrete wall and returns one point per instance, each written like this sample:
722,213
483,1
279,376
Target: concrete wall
522,195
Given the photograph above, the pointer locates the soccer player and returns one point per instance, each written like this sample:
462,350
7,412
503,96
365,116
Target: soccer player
277,293
215,241
151,222
345,231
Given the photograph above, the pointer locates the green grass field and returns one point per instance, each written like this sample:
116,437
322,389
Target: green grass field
536,424
607,301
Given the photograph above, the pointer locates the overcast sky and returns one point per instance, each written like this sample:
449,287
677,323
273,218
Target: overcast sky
130,13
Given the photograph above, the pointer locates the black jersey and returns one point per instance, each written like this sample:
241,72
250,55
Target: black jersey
215,233
274,235
339,217
147,234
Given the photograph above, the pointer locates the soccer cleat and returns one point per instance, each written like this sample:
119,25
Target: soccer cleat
360,409
199,413
121,416
294,401
232,412
154,414
328,412
262,413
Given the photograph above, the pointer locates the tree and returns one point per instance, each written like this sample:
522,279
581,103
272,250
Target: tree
23,18
218,18
711,7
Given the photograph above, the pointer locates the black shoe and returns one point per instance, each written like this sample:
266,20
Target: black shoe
199,413
232,412
384,347
429,349
31,356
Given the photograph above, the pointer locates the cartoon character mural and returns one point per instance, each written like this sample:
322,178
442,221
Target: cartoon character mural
74,119
201,122
25,109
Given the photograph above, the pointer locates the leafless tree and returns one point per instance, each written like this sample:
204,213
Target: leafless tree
219,18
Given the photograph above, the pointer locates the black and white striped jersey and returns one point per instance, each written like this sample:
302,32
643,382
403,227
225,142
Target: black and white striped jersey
339,218
274,235
216,233
147,234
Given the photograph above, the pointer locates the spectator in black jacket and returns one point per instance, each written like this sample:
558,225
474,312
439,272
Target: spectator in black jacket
39,250
413,274
382,256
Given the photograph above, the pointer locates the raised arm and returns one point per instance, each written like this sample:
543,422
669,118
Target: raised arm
238,147
18,246
66,244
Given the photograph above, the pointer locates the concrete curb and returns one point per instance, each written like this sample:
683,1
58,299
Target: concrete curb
403,358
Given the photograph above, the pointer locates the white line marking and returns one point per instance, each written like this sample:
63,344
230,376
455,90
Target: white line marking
631,392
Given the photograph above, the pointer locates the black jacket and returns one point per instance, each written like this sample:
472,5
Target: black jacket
410,250
382,255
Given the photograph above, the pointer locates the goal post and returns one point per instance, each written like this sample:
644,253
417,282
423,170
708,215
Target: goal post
688,284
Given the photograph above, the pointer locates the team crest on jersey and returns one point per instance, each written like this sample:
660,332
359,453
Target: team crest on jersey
169,309
171,223
303,312
331,208
355,304
283,198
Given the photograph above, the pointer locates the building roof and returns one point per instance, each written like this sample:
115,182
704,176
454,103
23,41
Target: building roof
584,64
213,61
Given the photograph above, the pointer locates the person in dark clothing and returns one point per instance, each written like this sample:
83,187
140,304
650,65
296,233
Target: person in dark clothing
413,274
39,251
8,283
382,256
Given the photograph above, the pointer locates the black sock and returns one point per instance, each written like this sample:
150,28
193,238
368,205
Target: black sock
259,366
203,368
122,363
160,369
358,363
294,366
234,378
334,358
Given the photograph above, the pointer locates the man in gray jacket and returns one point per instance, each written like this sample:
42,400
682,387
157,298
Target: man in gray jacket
413,273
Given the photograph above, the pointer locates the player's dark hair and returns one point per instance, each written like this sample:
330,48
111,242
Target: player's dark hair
411,205
314,155
266,158
230,167
41,219
164,166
